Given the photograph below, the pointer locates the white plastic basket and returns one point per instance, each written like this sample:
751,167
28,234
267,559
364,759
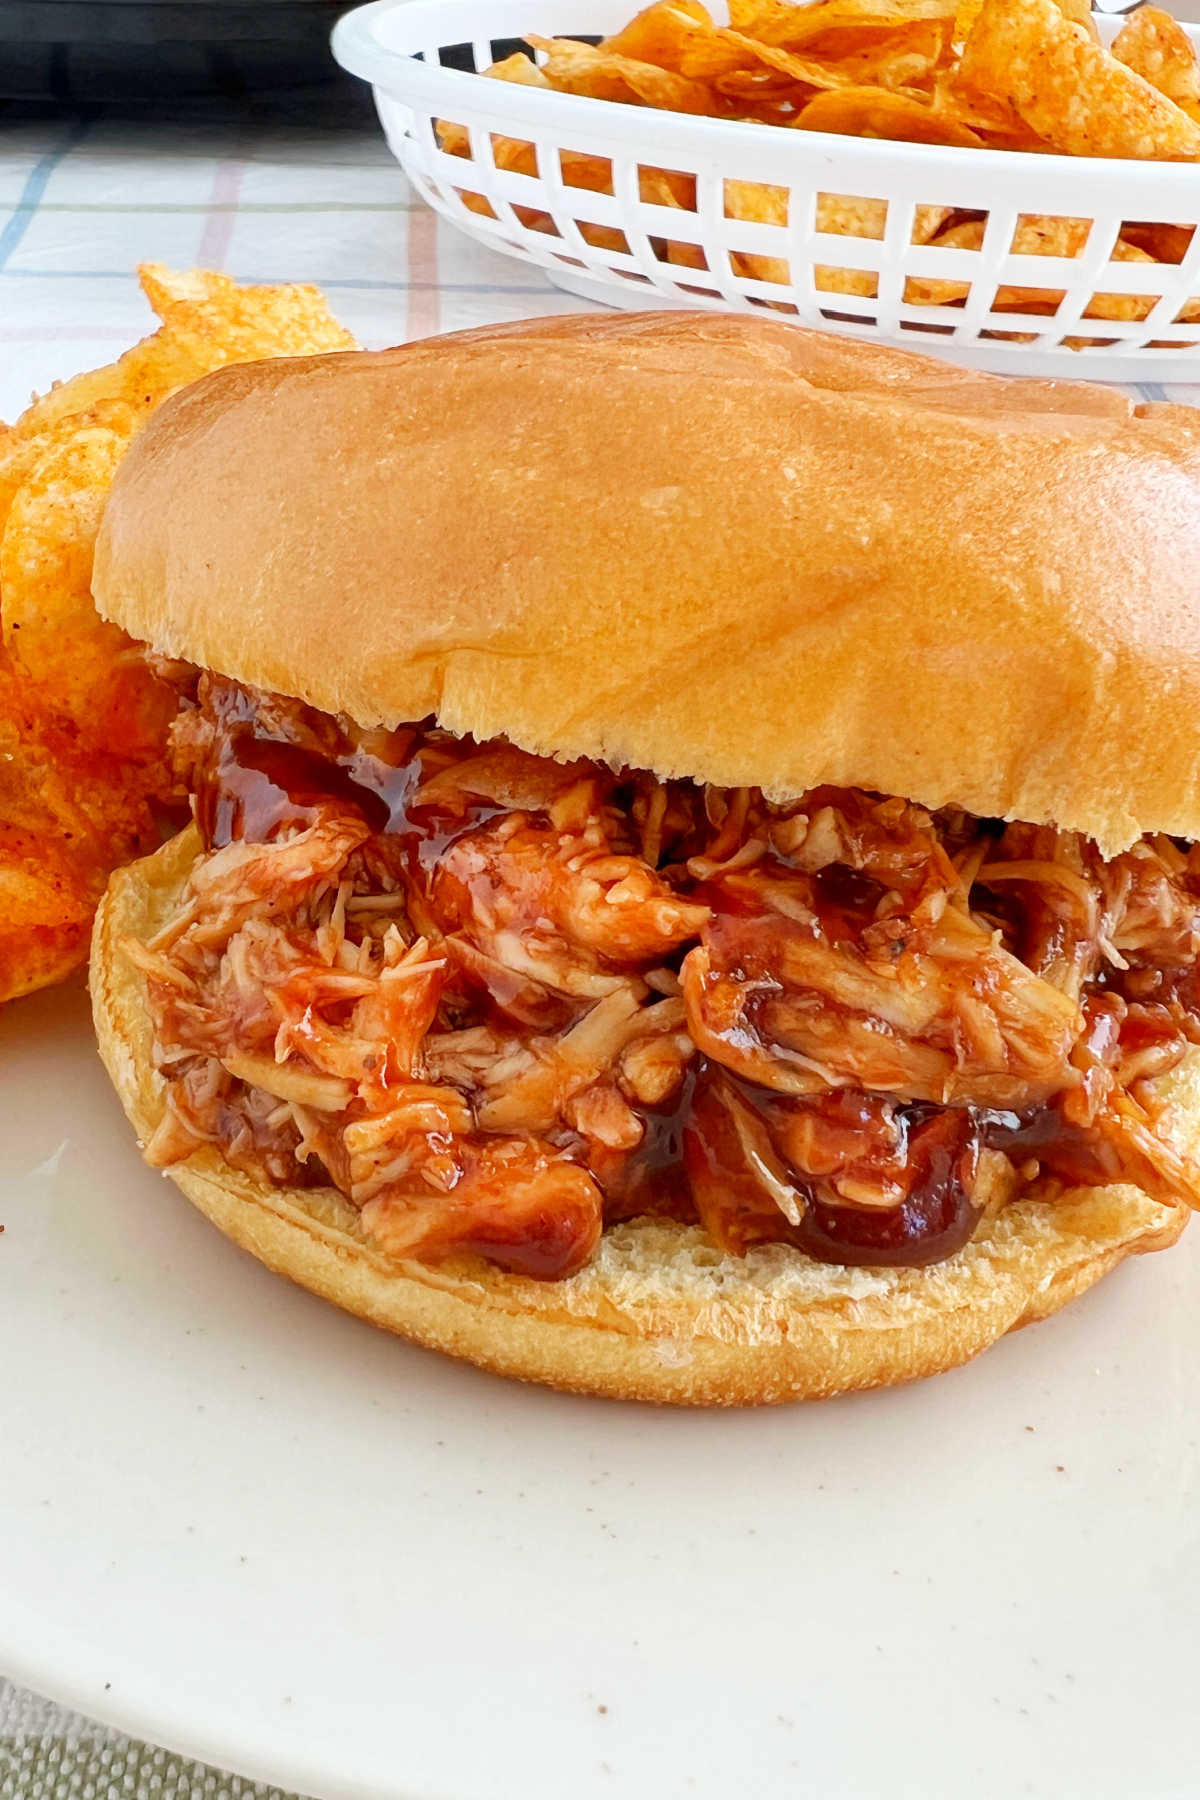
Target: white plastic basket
621,248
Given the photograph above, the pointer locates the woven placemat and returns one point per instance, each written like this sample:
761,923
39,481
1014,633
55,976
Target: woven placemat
47,1753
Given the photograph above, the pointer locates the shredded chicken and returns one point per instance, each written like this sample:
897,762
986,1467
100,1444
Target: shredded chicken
559,907
496,1000
924,1009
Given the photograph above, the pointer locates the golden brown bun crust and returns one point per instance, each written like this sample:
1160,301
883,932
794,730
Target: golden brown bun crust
710,546
660,1314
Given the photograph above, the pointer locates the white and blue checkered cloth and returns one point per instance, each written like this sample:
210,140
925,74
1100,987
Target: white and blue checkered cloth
81,204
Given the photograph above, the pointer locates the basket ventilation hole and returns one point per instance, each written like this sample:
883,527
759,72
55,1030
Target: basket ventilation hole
681,255
1049,234
928,219
1043,302
1165,243
844,318
580,169
476,203
750,265
514,156
861,284
757,202
666,187
850,215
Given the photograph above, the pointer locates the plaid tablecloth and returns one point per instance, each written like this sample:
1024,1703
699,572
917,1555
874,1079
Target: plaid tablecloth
80,205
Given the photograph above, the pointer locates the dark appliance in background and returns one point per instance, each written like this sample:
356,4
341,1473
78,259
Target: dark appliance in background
177,59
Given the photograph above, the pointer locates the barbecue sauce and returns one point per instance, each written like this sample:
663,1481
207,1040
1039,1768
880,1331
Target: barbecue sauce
256,780
257,784
935,1219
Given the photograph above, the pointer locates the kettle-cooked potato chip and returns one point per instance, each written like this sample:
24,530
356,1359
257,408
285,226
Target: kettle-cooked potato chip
207,320
799,27
661,34
1157,47
598,74
79,665
879,113
1165,243
1068,88
83,713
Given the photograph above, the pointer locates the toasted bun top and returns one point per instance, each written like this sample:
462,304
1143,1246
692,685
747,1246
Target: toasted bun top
709,546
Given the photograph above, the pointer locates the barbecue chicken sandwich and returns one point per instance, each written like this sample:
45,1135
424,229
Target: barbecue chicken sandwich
692,891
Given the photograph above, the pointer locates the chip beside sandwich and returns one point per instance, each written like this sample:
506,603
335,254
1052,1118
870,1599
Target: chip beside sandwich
84,781
691,893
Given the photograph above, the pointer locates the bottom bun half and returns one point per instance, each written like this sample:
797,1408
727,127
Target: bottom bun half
660,1313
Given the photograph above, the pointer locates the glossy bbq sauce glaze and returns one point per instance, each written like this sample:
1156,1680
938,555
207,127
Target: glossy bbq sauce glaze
717,1147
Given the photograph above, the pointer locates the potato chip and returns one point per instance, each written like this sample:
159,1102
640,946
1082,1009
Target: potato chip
994,121
660,34
851,215
908,56
878,113
862,284
1133,308
20,455
59,836
656,187
797,27
721,52
519,69
207,320
1032,77
599,75
1157,47
776,59
1067,88
1041,234
225,322
965,15
763,96
72,399
45,908
1079,12
83,716
79,664
1165,243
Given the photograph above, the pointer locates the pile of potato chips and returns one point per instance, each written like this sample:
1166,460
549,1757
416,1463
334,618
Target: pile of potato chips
84,781
1026,75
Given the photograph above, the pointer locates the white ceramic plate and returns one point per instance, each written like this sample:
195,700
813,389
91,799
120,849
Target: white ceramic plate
238,1523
